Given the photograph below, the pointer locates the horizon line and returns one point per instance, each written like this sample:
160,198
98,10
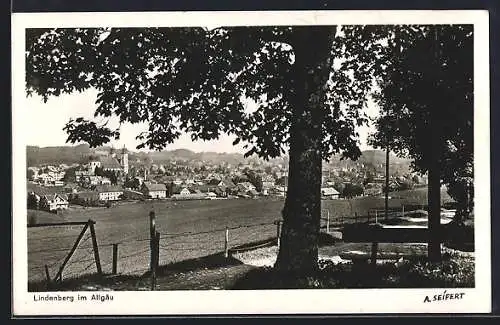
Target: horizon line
165,149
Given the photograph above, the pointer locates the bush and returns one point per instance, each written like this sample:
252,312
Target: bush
454,271
460,236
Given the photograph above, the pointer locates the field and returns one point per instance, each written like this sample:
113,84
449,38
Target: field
188,229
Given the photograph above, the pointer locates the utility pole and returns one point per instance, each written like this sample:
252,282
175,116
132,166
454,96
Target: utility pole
386,215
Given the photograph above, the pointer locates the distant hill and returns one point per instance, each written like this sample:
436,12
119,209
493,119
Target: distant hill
374,159
185,154
378,157
81,154
56,155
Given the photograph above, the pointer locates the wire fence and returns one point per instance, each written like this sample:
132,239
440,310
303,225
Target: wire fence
49,247
131,254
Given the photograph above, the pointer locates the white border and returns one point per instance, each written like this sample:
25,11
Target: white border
259,302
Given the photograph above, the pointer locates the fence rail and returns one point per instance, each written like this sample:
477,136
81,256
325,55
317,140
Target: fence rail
137,254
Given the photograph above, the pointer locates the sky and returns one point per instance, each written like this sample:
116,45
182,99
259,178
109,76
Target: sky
58,110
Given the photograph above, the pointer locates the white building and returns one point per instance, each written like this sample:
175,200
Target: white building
154,191
109,193
185,191
329,192
54,202
93,165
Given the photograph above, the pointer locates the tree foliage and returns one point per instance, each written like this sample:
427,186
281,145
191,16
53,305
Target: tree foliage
255,179
32,201
30,174
111,175
197,80
351,190
70,175
431,82
132,183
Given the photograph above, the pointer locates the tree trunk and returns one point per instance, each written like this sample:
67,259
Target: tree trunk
434,189
434,217
302,211
436,147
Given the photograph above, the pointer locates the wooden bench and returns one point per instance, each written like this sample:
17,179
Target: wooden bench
376,233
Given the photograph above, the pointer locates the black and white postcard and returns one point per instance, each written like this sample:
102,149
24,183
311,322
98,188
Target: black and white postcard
176,163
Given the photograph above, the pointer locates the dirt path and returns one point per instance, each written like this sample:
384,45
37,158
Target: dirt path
207,279
202,279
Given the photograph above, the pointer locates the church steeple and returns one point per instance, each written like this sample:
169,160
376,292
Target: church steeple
124,160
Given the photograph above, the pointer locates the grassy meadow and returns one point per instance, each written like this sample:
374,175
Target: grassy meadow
189,229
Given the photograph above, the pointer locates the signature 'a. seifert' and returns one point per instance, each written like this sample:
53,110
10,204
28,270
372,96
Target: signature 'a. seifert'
445,296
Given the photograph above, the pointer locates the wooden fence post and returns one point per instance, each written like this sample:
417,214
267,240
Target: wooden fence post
153,246
95,247
157,250
47,276
327,221
155,256
115,259
58,276
152,235
278,233
226,243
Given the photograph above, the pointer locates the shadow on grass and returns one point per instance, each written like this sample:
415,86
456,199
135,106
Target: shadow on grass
415,274
206,262
326,239
90,280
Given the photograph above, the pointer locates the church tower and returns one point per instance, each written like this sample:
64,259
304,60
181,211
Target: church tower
124,160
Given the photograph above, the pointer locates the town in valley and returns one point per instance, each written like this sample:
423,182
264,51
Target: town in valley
104,176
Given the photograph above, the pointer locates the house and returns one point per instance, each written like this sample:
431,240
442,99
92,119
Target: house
211,195
277,191
220,192
85,198
104,181
45,179
92,180
247,186
155,191
373,189
54,202
282,181
185,191
252,193
268,181
109,193
226,184
93,165
71,188
39,190
204,188
111,163
129,194
329,192
213,180
80,174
